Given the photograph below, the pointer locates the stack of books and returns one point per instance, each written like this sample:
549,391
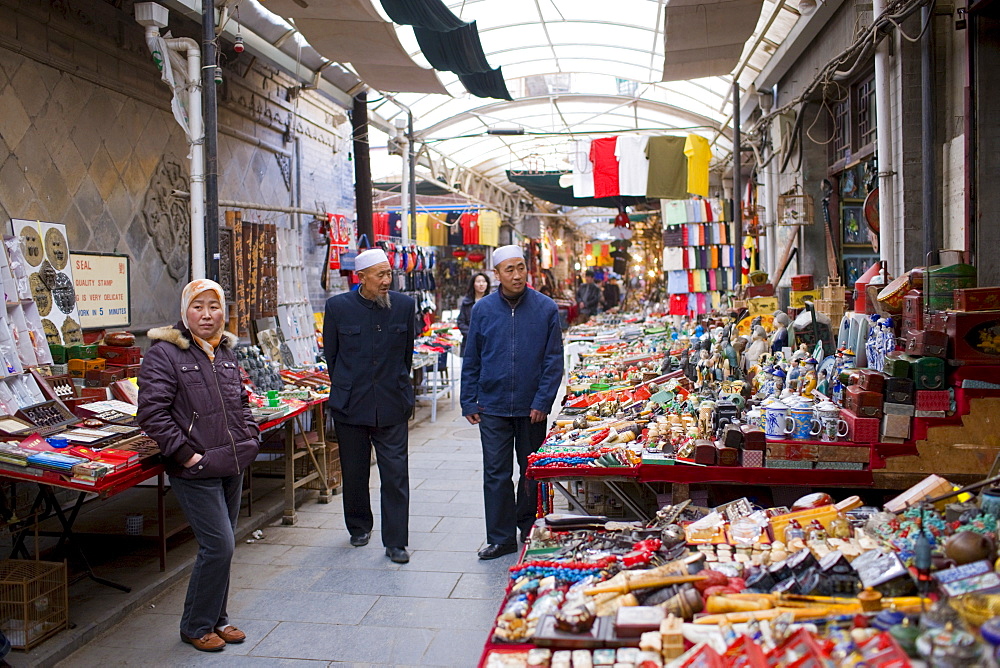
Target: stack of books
54,461
89,473
15,458
114,459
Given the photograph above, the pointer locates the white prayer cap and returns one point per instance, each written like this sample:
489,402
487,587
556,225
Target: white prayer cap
369,257
506,253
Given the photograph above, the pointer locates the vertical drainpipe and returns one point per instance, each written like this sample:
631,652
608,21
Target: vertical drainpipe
737,183
888,250
362,167
211,118
927,132
412,167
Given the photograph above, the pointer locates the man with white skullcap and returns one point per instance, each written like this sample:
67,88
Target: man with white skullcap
368,343
511,372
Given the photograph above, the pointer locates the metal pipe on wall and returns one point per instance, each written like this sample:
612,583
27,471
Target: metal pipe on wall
927,132
737,184
362,168
888,250
210,115
411,223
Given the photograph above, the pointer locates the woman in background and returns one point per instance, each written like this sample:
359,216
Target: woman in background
479,287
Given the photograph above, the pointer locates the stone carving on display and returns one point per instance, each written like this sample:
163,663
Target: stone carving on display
167,218
285,165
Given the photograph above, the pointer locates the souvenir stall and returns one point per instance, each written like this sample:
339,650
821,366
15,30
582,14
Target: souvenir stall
68,388
633,576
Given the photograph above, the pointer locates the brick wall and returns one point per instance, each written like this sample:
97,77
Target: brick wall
86,138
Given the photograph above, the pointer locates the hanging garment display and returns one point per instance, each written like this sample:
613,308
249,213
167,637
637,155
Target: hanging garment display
699,153
489,228
453,221
438,230
602,155
667,168
583,169
633,165
470,228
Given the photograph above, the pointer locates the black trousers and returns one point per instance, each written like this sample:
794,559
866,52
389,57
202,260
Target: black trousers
392,456
504,438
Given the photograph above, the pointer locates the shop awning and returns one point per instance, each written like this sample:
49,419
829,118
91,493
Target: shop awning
545,186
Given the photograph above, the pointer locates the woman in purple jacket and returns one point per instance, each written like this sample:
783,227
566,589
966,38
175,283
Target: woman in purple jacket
192,403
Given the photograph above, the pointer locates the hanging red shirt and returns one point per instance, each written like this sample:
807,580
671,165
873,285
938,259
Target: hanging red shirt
602,154
470,228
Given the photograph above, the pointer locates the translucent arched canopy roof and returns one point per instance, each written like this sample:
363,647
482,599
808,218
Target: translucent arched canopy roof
577,67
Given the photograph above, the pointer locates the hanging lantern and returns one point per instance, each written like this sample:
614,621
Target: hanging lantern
476,257
460,252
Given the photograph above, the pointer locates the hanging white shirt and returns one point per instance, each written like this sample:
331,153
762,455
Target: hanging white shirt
633,165
583,169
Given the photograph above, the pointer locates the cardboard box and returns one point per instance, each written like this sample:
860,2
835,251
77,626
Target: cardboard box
933,400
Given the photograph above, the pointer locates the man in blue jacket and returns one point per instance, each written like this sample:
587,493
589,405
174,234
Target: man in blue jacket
511,372
368,343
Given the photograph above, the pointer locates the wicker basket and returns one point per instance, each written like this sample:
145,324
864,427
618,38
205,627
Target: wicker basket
33,601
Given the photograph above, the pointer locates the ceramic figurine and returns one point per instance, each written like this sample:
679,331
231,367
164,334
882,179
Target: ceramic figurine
758,346
801,354
779,339
808,380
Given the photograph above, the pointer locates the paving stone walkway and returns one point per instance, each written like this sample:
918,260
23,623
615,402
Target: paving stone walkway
305,597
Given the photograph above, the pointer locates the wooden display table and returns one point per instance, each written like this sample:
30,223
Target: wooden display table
315,450
46,505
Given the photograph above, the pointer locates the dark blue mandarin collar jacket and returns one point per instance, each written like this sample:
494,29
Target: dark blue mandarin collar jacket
369,353
513,359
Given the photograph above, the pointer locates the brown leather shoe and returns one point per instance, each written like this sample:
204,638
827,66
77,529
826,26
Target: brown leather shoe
210,642
231,635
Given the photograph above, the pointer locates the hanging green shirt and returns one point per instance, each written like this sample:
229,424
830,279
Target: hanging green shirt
667,168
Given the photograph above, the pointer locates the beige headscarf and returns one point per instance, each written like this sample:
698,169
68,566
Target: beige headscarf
192,290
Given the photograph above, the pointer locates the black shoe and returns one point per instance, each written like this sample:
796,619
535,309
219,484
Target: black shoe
492,551
361,539
398,555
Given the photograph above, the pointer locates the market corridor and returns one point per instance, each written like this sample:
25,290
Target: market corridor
305,597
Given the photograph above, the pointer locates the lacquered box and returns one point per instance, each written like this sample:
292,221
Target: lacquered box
121,356
975,336
861,429
933,400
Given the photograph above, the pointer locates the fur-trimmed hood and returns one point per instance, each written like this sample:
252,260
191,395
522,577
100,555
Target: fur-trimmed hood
181,337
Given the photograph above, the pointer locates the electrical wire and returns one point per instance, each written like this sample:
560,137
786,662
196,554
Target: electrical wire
854,57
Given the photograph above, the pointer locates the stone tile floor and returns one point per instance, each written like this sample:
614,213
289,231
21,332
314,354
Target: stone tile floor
305,597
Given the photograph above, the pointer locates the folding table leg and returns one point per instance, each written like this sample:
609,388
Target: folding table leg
67,537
